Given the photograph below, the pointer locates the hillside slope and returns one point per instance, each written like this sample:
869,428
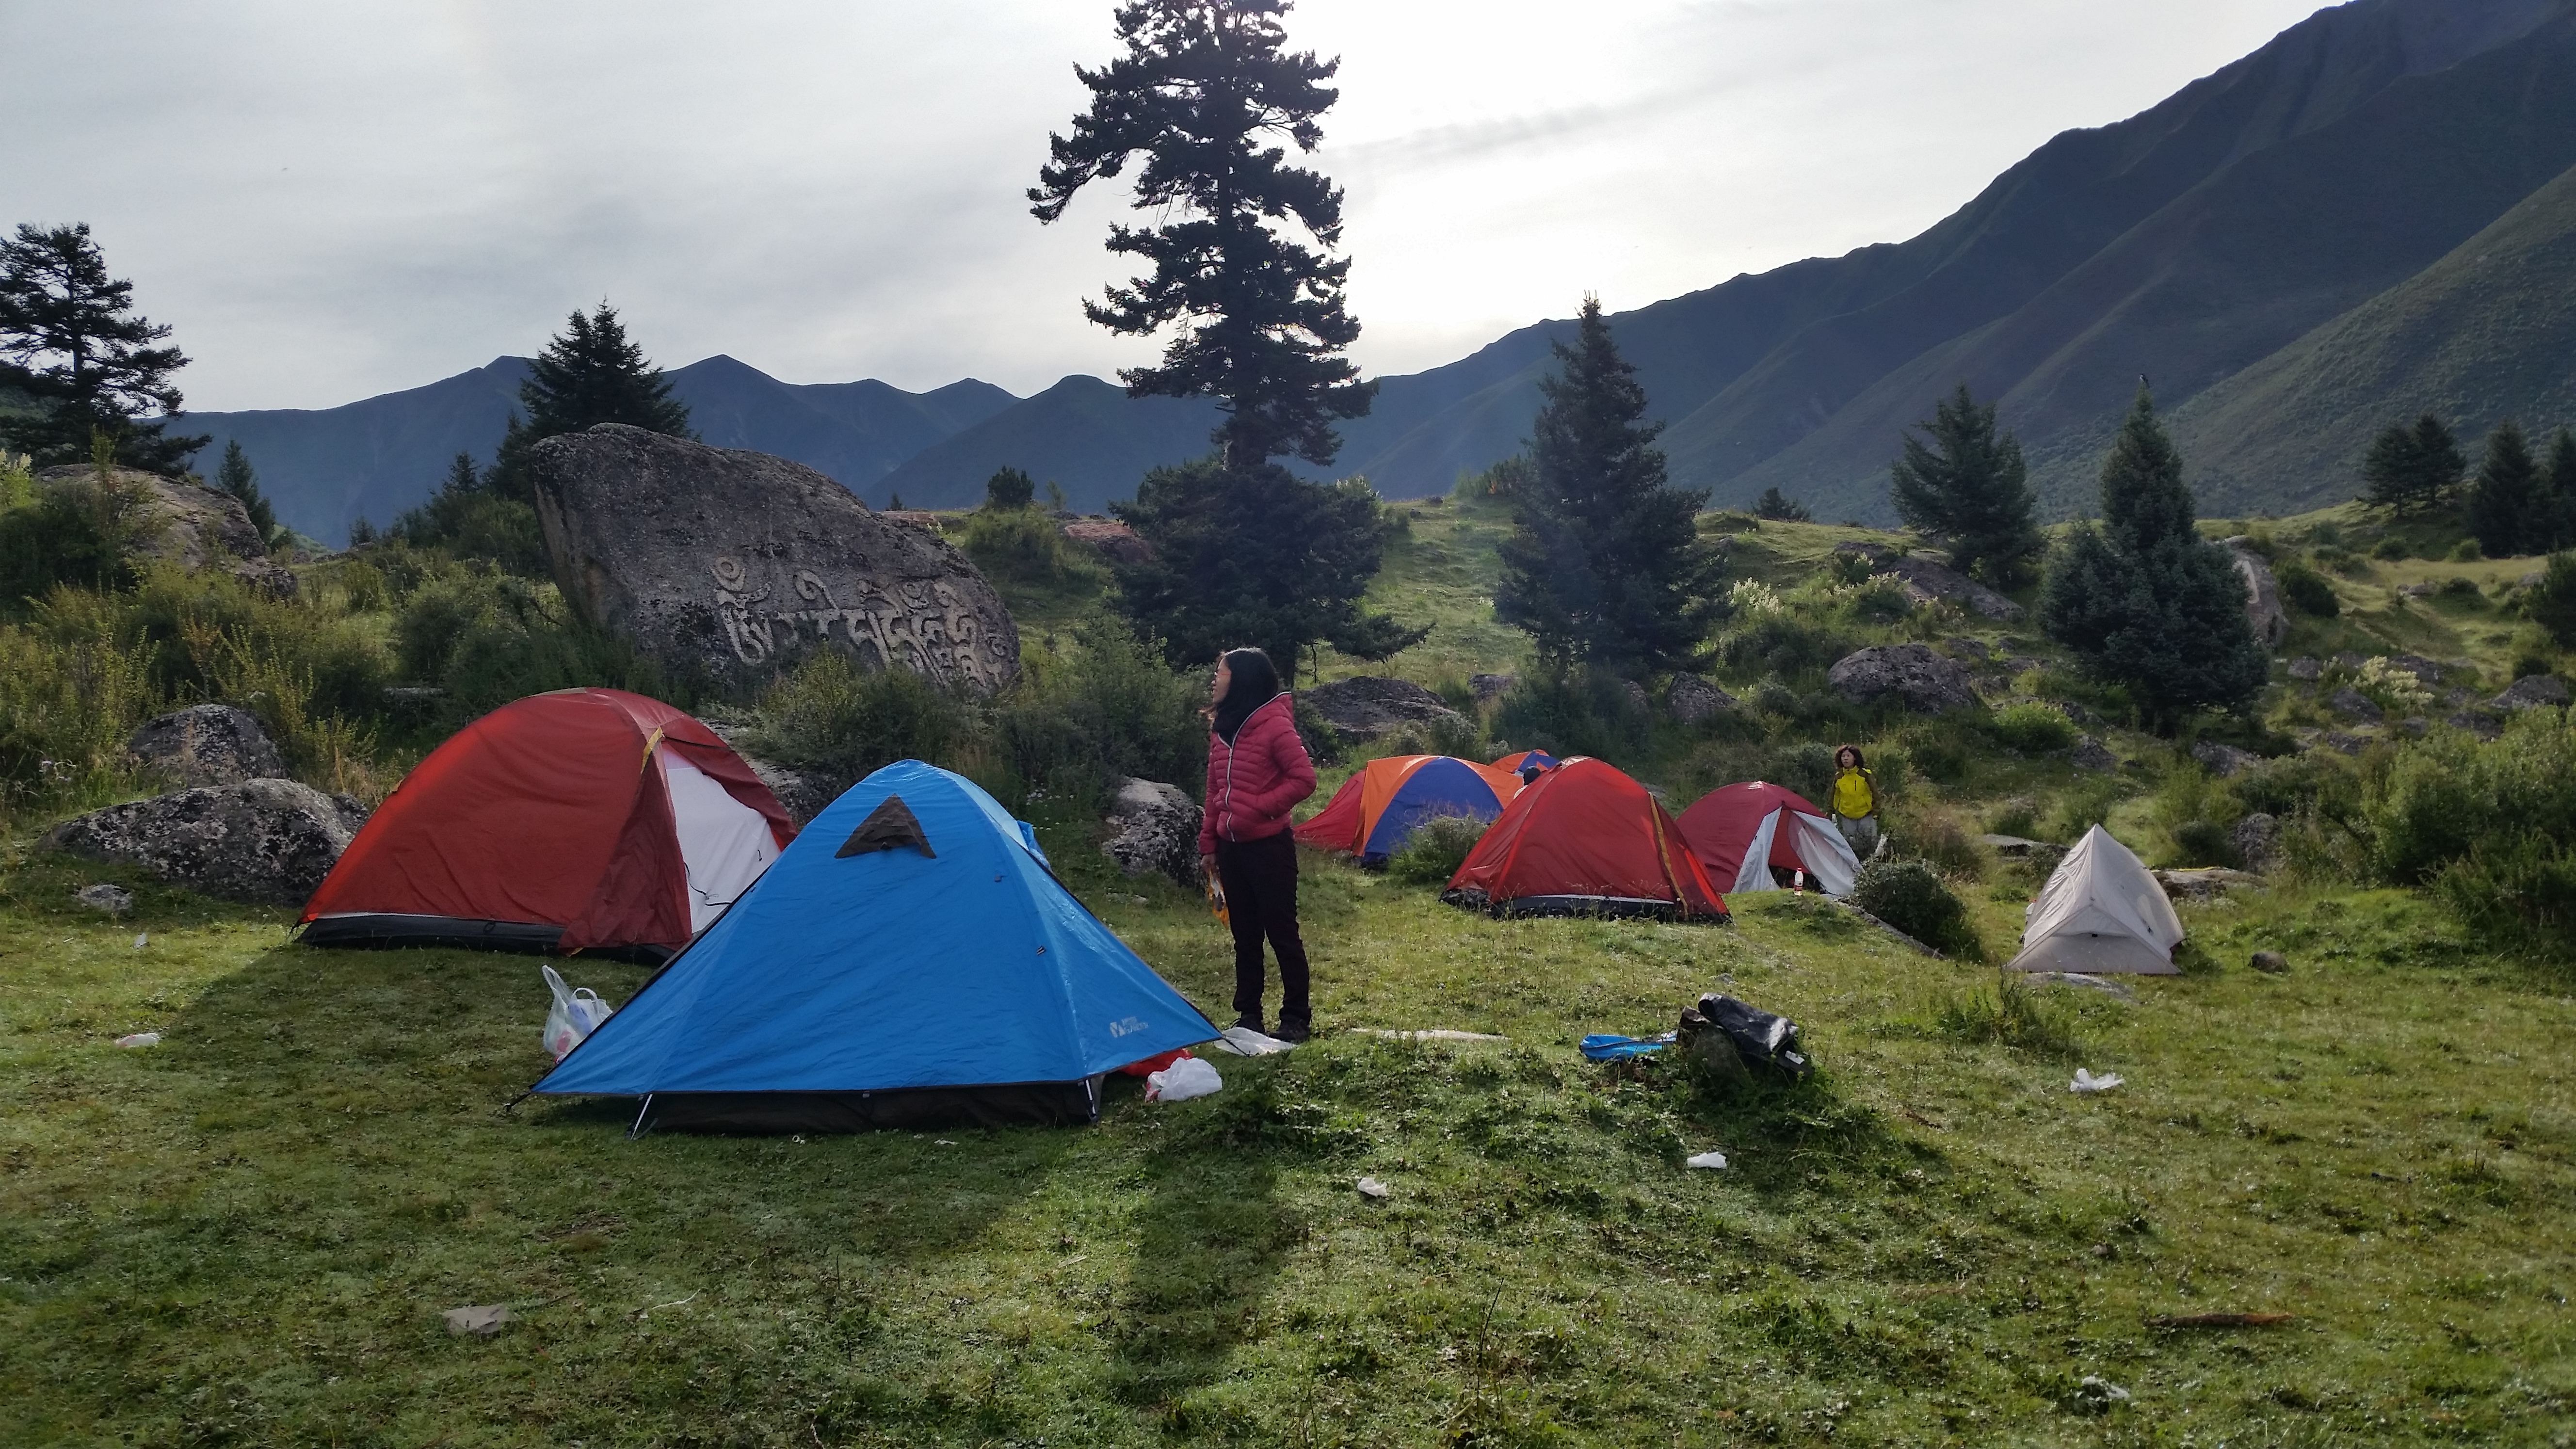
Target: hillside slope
2485,334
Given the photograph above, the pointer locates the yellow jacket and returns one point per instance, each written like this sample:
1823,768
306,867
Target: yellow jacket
1853,797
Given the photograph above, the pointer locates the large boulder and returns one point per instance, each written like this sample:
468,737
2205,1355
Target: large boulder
2532,691
1926,581
1372,707
1109,538
208,744
735,563
2263,608
264,841
2224,760
190,525
1157,830
1911,675
2352,704
1693,700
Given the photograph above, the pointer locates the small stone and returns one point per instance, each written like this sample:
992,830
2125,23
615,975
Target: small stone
482,1320
2091,754
113,899
2352,704
2343,743
2307,668
1967,648
1692,700
1111,539
2532,691
2271,963
2416,725
2478,722
1490,687
2224,760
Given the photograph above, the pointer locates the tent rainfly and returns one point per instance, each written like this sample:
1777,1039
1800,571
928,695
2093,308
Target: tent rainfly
1739,832
910,961
583,819
1585,840
1384,801
2101,913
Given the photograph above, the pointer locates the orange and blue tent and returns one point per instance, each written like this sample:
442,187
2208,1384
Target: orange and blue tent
1384,801
1515,763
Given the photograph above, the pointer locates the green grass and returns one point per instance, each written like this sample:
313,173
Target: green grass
246,1235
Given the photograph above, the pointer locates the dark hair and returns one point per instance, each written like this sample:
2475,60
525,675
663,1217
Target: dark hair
1859,760
1255,683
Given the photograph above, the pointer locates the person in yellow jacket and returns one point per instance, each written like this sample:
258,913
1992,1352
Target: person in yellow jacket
1855,804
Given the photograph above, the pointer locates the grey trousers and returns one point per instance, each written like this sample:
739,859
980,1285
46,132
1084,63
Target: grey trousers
1861,833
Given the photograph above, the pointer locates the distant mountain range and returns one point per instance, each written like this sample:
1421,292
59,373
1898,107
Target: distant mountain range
2373,214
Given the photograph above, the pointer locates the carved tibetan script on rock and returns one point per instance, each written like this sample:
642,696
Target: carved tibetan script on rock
925,626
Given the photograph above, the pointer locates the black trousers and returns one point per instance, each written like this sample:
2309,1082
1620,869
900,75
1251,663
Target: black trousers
1260,882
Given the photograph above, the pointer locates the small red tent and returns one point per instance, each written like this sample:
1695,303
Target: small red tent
581,819
1740,831
1584,839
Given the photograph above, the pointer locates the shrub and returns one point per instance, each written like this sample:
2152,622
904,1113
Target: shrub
2466,551
831,716
2307,591
1108,707
67,702
1939,840
1435,850
2551,603
75,531
2086,804
1911,896
2013,1015
2519,893
2397,690
2018,816
1020,545
2033,728
1571,712
2193,812
1777,644
488,638
2482,824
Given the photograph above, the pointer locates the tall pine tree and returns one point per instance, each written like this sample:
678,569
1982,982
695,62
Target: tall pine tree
589,374
2142,599
2408,469
236,477
2558,504
1205,93
1210,98
1604,563
1964,482
2509,508
70,338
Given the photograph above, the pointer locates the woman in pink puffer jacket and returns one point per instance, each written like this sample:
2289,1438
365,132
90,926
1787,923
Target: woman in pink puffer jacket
1257,771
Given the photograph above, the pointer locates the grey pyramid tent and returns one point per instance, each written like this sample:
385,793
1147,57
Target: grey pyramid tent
2100,913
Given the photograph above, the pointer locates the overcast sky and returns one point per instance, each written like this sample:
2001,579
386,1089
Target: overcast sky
331,201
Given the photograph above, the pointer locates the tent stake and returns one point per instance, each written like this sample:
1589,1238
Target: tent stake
638,1129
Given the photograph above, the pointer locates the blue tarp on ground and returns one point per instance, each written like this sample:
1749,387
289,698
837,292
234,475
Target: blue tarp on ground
892,969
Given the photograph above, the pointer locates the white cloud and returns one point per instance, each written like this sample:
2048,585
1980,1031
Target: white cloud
333,201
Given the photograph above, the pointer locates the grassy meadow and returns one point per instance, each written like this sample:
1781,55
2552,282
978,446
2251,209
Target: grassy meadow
247,1234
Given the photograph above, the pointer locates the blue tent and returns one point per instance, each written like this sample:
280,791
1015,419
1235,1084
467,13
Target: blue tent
909,961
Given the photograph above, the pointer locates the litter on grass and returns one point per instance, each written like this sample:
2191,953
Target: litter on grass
482,1320
2100,1393
1373,1190
142,940
1243,1041
1602,1046
140,1039
2089,983
576,1013
1189,1077
2087,1082
1716,1160
1437,1034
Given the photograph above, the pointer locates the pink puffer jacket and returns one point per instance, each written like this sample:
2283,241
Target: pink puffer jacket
1252,785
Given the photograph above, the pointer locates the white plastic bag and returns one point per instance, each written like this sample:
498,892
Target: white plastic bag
1189,1077
2086,1082
577,1013
1243,1041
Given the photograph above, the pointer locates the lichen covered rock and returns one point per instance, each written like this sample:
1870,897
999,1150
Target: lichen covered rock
269,842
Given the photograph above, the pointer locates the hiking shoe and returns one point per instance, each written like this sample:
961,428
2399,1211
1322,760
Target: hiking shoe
1295,1028
1250,1021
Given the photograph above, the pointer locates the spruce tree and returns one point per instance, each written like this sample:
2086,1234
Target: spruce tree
1964,482
2142,599
1205,93
2509,505
588,374
1010,489
1774,504
2558,502
2408,469
1604,563
1208,98
70,339
236,477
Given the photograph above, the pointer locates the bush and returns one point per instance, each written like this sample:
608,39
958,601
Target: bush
1771,642
2483,825
2086,804
2551,603
2193,813
67,702
488,638
2307,591
2014,1015
1571,712
1911,896
1108,707
1018,545
1435,850
480,525
830,716
2032,728
73,532
1940,841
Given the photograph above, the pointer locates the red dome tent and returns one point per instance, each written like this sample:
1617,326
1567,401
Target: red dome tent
585,819
1384,801
1584,839
1739,832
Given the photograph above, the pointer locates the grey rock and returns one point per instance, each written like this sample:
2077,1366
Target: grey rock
1157,830
2223,760
2016,847
1371,707
912,518
2343,743
2263,608
733,564
1929,581
2206,883
2257,839
265,841
2416,725
2479,722
115,900
1111,539
2532,691
2457,698
1965,648
196,527
2091,754
2348,660
2533,579
2416,591
2425,670
1491,687
2307,668
2270,963
1693,700
1907,674
208,744
1636,696
2352,704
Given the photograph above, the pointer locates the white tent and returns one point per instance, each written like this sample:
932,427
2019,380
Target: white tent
2101,912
